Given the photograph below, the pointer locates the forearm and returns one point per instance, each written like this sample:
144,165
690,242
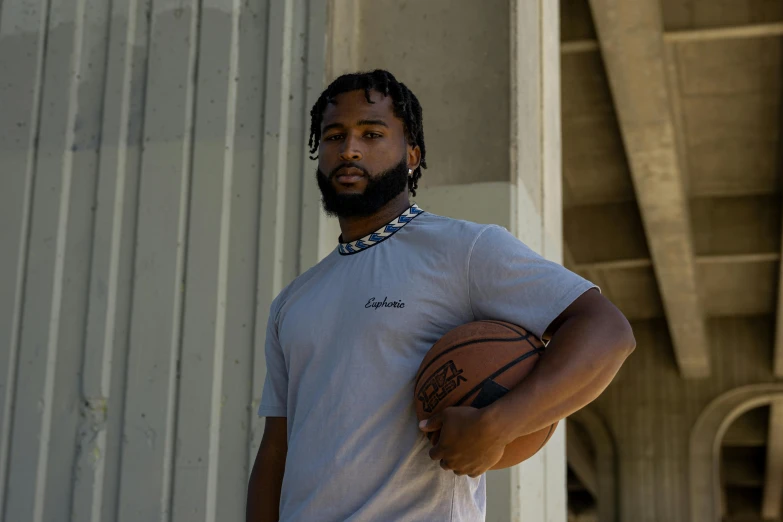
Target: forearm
266,480
580,361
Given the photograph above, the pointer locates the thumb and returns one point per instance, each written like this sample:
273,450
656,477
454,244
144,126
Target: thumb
434,423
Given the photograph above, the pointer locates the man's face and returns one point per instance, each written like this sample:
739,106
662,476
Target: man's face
363,158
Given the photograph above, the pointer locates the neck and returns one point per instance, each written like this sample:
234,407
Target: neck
354,228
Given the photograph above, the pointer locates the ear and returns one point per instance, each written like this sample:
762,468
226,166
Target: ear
414,156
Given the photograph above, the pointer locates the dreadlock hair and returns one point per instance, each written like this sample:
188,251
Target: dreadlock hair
406,107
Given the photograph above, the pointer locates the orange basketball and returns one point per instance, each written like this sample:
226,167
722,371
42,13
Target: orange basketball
474,365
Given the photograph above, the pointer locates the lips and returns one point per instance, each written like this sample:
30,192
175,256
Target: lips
349,175
345,178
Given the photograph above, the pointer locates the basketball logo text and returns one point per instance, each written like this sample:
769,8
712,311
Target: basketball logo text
442,382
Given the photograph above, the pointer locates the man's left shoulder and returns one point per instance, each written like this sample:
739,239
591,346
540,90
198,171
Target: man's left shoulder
452,230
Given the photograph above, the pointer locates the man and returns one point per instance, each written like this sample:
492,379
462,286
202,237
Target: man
345,339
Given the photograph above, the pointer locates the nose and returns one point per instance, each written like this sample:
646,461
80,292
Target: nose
350,150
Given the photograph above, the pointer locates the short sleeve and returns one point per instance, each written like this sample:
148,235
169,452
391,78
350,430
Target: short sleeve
509,282
275,394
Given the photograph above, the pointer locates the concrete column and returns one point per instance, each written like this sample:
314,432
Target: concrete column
487,76
537,486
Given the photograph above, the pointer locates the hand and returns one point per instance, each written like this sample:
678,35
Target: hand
466,444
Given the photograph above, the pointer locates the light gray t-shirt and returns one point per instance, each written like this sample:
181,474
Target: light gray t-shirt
344,342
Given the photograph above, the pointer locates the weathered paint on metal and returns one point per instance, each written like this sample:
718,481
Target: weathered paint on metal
143,147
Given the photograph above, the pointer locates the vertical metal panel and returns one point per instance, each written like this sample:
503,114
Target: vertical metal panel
203,346
47,394
96,473
23,38
159,277
319,233
147,223
237,392
241,395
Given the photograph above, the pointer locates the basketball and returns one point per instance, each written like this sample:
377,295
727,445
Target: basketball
474,365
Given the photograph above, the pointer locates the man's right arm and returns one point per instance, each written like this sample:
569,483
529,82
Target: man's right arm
266,479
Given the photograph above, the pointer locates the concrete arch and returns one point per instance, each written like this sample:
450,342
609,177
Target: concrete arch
606,462
705,441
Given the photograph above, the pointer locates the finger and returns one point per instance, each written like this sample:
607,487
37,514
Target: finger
436,453
434,423
444,465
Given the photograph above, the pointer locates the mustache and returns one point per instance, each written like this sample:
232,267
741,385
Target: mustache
333,173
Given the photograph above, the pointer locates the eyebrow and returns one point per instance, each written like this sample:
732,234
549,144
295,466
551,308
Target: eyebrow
360,123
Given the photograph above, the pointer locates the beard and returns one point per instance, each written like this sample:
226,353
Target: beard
379,190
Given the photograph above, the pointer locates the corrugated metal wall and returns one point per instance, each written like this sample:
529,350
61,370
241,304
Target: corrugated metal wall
152,154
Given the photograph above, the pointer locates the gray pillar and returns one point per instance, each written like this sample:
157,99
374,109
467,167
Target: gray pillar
536,489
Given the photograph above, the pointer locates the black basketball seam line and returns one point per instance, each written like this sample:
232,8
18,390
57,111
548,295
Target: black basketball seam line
504,325
523,336
542,348
546,439
498,372
462,345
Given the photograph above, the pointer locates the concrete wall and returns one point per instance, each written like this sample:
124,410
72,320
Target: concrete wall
152,203
456,57
651,411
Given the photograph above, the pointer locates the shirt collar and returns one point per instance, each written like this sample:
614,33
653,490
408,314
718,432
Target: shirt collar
382,234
